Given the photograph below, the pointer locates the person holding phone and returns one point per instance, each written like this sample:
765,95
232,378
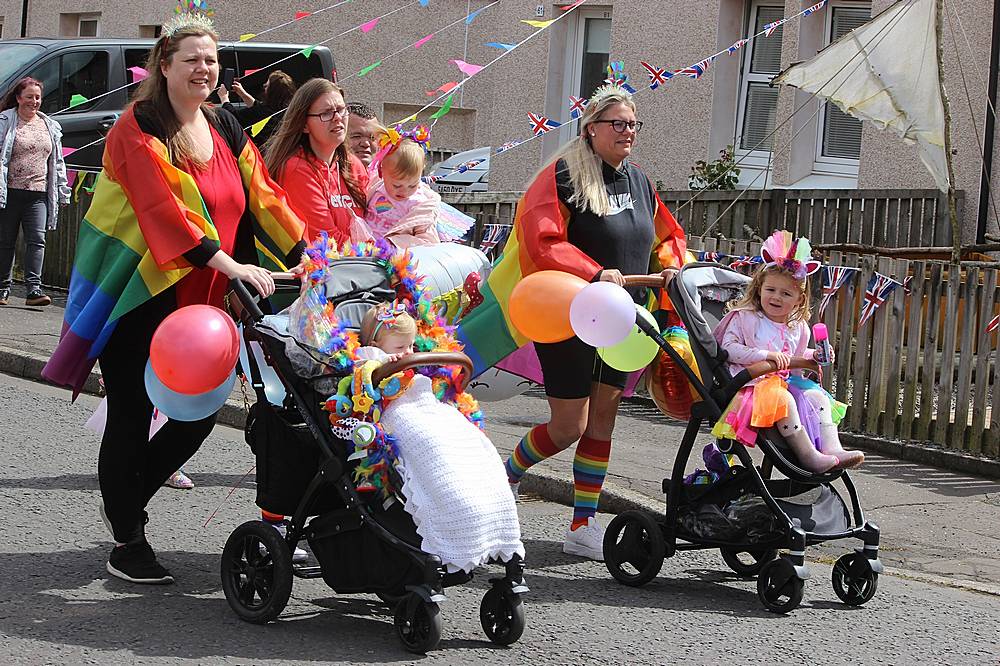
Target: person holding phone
181,207
278,91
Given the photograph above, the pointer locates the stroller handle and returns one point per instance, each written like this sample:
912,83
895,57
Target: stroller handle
426,358
654,280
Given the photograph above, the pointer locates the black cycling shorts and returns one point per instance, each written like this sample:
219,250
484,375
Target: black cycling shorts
569,367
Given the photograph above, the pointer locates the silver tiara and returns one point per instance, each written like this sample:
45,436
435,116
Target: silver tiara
188,20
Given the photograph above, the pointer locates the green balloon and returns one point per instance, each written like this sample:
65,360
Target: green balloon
634,352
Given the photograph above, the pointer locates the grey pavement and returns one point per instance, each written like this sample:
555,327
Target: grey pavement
60,607
937,525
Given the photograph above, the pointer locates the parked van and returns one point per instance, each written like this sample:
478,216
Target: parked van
91,67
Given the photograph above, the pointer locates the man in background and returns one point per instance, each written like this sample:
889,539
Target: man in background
362,132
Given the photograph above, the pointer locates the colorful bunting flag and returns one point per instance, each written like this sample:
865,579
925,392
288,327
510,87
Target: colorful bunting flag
472,17
443,88
445,108
301,15
138,73
508,145
541,124
737,46
834,277
423,40
365,70
369,26
657,76
697,70
815,8
618,77
77,100
501,45
771,27
249,35
576,4
710,256
576,106
256,128
878,290
424,3
541,25
467,68
308,51
993,325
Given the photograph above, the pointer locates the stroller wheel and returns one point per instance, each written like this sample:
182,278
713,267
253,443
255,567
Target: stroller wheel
634,548
256,572
854,581
779,587
501,613
418,623
747,563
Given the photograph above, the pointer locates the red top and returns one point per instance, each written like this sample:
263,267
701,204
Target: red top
222,191
319,196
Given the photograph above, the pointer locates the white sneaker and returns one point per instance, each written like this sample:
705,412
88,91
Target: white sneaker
298,555
515,489
104,517
586,541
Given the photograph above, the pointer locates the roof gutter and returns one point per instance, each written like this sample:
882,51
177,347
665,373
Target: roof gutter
986,180
24,18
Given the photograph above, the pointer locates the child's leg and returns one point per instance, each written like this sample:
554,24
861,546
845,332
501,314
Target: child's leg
794,433
829,437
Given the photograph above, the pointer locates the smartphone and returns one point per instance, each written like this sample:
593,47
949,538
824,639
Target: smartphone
228,74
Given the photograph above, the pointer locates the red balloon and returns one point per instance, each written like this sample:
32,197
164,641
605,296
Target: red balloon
194,349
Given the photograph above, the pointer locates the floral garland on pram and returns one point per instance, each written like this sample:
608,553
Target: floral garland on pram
357,405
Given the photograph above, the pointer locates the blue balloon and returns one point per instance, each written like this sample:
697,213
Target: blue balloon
183,407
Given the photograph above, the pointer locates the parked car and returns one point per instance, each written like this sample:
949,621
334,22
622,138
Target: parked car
91,67
468,171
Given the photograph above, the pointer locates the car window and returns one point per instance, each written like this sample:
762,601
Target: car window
82,73
300,68
15,56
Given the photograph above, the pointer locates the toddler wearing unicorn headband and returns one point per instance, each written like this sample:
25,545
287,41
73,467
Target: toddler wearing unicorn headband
770,323
401,207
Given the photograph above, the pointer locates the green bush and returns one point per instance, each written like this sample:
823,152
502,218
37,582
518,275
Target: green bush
721,174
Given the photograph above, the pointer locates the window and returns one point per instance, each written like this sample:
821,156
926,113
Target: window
87,27
595,56
761,63
1,27
840,134
79,25
150,31
80,73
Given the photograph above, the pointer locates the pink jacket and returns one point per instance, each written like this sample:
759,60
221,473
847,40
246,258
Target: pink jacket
748,336
404,223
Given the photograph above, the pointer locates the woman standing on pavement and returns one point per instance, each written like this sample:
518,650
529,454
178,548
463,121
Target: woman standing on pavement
32,185
326,183
182,201
592,213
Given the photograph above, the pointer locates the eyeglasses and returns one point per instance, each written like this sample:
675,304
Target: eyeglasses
620,125
329,114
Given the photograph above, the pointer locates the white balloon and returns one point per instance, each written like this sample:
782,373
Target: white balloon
446,265
495,385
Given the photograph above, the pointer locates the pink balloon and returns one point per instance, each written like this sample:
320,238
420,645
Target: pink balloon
602,314
194,349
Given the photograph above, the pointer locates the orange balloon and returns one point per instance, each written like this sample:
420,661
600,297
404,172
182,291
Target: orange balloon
539,305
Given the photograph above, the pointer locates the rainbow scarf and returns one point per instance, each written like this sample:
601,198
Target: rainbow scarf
146,213
539,242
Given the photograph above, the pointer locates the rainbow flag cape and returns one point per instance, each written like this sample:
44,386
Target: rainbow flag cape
539,242
146,213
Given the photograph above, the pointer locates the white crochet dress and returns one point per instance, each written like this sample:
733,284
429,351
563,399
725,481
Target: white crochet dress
454,481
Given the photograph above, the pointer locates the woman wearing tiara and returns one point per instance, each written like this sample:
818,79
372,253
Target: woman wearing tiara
182,204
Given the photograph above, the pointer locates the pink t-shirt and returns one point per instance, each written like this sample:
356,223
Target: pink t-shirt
29,161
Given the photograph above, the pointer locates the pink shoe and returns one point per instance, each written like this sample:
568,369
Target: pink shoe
179,480
849,459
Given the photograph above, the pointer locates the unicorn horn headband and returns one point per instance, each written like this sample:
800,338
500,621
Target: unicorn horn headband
793,255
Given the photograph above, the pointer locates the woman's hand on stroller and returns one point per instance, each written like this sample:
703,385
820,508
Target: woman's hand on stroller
612,275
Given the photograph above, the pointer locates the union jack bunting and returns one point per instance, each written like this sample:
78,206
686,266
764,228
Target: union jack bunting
737,46
771,27
541,124
993,325
509,145
494,235
657,76
618,77
697,70
834,277
744,261
576,106
710,256
815,8
878,290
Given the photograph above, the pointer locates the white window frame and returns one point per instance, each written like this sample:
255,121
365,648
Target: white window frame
96,18
825,165
752,160
575,42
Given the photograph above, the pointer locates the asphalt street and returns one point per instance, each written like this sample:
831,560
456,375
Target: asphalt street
59,606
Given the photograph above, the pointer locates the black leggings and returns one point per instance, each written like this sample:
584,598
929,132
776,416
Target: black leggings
131,467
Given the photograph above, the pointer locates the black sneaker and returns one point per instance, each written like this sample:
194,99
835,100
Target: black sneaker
4,296
136,563
36,297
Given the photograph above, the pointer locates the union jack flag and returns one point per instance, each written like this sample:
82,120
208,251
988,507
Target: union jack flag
509,145
771,27
834,277
993,325
815,8
494,235
697,70
576,106
541,124
657,76
878,290
744,261
737,46
710,256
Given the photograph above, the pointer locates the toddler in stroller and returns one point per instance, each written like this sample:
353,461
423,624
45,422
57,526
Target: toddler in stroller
316,463
744,512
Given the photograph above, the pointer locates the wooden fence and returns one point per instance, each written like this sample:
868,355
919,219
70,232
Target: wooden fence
885,218
924,366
